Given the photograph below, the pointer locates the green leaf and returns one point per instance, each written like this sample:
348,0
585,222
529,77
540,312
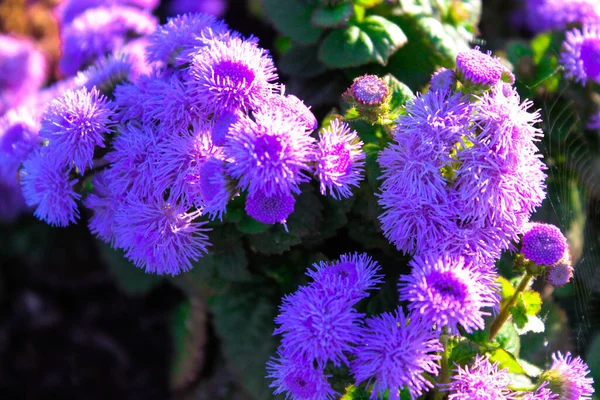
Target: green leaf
355,393
188,329
332,17
540,46
534,324
367,3
374,39
506,360
508,339
301,62
293,19
507,290
532,301
440,40
531,370
519,316
243,320
129,278
400,93
593,360
251,226
463,353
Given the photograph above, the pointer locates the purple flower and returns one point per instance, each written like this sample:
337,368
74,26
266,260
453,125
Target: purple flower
369,90
104,203
99,31
159,236
270,209
231,74
46,184
22,71
299,379
212,7
567,378
581,54
353,272
478,68
69,9
481,381
175,41
418,206
449,291
18,138
340,160
442,80
544,15
221,126
594,122
106,73
392,354
178,161
543,392
215,188
12,202
133,160
318,326
269,155
544,244
560,273
290,106
74,125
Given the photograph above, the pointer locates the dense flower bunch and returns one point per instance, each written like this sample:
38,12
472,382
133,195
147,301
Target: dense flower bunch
463,174
164,151
542,15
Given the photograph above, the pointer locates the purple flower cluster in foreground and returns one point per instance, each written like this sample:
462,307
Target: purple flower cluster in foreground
155,150
463,174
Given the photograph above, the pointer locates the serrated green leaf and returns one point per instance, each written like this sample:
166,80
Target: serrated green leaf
374,39
251,226
129,278
463,353
332,17
293,19
188,329
506,360
519,316
508,339
532,301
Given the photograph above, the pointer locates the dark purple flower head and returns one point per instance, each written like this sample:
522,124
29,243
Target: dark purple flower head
340,159
22,71
212,7
106,73
231,74
270,209
318,326
104,203
581,54
442,80
99,31
448,292
393,353
481,69
298,379
221,126
158,236
480,381
269,155
47,186
176,40
560,273
74,125
369,90
567,378
215,188
544,244
355,273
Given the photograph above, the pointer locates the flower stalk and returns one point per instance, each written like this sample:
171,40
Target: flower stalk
505,311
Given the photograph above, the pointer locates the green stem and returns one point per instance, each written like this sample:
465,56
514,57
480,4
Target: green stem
505,312
444,373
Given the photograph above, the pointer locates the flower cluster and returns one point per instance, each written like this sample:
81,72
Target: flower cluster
319,324
542,15
157,146
463,174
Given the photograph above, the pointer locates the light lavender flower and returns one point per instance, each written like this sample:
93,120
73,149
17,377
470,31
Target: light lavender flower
581,54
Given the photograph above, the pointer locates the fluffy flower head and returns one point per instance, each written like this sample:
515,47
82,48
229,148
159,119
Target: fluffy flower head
581,54
480,381
299,379
270,209
544,244
567,377
481,69
369,90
